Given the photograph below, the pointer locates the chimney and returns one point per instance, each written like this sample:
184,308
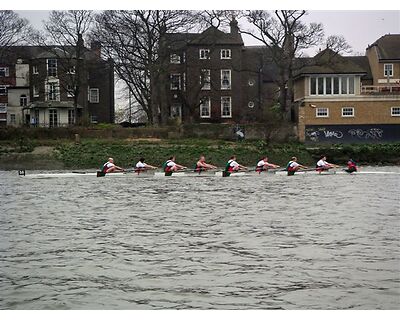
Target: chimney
95,46
234,26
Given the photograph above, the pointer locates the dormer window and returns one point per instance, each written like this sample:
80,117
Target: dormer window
338,85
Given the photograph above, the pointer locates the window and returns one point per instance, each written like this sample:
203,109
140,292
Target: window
332,85
205,108
225,79
23,100
204,54
322,113
71,70
52,67
388,70
205,79
53,91
35,69
3,90
174,58
94,95
35,91
395,111
347,112
12,119
53,118
70,91
226,54
226,107
175,81
71,116
3,107
93,119
4,72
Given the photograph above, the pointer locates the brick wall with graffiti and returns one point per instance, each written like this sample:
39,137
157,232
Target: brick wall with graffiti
362,133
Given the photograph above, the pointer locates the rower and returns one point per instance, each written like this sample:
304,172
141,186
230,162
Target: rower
323,165
293,166
201,165
142,166
264,165
233,166
170,166
351,166
110,167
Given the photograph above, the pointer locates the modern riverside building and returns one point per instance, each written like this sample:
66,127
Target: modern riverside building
38,86
350,98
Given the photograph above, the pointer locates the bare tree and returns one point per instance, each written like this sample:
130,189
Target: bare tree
63,37
133,39
215,18
338,44
285,36
13,30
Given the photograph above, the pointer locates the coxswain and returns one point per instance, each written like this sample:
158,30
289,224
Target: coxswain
264,165
293,166
323,165
201,165
171,166
142,166
351,166
233,166
110,167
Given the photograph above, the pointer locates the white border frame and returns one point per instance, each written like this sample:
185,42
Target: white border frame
318,116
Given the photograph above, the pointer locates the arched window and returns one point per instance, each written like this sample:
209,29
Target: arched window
23,100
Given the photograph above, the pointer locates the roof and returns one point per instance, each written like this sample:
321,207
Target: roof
330,62
210,36
388,47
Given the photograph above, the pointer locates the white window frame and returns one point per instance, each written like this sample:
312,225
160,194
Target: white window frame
321,115
391,70
339,78
35,69
202,105
6,71
226,54
56,67
204,54
93,119
174,58
23,100
56,83
347,109
172,84
229,86
97,95
5,90
205,75
230,107
393,113
35,91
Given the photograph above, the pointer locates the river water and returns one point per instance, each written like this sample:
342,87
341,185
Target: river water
272,242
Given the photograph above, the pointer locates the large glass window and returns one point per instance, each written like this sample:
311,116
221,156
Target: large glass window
226,107
52,67
332,85
53,91
53,118
225,79
320,86
205,79
313,85
205,108
328,85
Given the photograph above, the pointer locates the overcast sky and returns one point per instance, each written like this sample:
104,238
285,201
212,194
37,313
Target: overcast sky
360,28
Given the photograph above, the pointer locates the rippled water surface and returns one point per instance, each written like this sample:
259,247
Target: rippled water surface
302,242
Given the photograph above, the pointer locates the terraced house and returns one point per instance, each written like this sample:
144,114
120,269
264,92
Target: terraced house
52,87
350,98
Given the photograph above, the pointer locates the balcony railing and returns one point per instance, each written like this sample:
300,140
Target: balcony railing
391,89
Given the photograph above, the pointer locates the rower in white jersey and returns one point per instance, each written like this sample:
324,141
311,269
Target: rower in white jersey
323,165
264,165
170,166
142,166
110,167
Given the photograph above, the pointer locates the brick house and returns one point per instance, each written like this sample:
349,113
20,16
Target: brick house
350,98
214,78
36,86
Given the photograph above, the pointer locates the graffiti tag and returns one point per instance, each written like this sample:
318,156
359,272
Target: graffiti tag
373,133
333,134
